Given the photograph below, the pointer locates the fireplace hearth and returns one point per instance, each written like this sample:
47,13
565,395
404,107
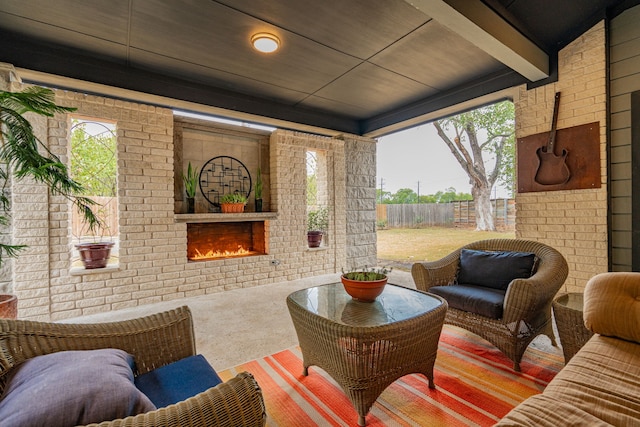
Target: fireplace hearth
212,241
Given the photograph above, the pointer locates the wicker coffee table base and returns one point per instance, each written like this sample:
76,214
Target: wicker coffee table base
366,360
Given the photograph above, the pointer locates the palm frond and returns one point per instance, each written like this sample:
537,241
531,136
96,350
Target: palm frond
21,152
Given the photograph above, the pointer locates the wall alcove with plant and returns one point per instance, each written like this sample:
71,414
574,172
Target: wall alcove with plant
197,141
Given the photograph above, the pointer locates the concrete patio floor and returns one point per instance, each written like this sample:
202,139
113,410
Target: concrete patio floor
240,325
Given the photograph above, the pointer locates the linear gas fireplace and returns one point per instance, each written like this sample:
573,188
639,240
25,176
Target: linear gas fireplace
219,240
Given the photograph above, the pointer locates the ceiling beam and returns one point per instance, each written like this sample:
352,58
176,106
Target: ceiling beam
480,25
488,90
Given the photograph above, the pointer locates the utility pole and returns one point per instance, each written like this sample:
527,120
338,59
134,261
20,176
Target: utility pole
381,188
418,201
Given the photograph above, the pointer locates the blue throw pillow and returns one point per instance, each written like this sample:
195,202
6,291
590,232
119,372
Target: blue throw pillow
178,381
494,269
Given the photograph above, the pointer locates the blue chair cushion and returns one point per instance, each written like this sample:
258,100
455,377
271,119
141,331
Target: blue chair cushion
481,300
178,381
494,269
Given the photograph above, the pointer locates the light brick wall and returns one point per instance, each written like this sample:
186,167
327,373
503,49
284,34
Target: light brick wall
360,202
574,222
288,190
152,257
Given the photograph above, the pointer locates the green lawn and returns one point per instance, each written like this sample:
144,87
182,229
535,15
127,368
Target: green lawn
402,246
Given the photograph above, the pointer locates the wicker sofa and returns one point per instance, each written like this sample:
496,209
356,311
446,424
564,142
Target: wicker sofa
523,308
154,341
600,385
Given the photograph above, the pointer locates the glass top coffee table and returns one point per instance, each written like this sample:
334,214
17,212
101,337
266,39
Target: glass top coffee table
367,346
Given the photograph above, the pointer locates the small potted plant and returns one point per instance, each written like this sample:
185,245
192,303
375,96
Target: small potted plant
233,203
257,188
96,250
365,284
317,225
190,180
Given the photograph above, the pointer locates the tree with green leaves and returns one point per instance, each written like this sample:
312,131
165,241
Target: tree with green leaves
450,195
495,124
23,155
404,196
93,162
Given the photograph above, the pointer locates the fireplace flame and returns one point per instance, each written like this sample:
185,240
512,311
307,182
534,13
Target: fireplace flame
211,254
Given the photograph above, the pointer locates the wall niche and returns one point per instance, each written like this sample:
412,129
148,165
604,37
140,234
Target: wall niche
197,141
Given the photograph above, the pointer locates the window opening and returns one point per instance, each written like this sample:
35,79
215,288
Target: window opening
317,194
94,165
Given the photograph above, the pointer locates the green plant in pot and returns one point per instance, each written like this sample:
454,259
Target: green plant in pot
94,246
257,188
190,180
27,156
233,203
317,225
365,284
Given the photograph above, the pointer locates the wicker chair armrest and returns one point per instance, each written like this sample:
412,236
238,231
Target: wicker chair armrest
234,403
436,273
526,298
154,340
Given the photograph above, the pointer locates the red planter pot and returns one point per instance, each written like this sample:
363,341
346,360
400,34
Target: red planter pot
314,238
232,207
94,255
363,291
8,306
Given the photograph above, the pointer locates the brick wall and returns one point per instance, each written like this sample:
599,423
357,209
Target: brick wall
152,257
574,222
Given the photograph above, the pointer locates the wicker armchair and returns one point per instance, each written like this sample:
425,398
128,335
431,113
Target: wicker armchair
527,303
154,341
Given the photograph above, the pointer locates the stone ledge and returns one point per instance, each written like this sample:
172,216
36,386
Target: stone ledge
81,271
225,217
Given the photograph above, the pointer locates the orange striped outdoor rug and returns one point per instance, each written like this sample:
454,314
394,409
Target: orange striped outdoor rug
475,386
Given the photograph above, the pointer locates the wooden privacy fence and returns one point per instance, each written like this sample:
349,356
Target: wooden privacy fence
443,214
106,209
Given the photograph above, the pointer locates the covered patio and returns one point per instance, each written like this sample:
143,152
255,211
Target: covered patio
333,87
344,74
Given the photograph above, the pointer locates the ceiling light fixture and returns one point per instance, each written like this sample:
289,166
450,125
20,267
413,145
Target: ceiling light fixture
265,42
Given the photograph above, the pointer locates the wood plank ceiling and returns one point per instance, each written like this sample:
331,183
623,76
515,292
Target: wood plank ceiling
358,66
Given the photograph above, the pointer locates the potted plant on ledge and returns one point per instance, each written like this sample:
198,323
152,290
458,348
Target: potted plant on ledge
95,252
317,225
233,203
190,186
365,284
258,191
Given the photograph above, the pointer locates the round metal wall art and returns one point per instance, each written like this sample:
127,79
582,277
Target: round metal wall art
223,175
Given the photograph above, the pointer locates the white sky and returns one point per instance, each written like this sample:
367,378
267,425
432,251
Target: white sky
419,155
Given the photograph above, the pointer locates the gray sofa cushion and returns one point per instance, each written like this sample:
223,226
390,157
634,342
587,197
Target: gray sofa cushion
70,388
481,300
494,269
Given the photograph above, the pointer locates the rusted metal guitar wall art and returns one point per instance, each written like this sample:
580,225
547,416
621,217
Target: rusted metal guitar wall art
552,168
577,166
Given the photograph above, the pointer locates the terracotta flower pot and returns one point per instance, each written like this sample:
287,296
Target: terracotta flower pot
365,291
8,306
94,255
314,238
232,207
